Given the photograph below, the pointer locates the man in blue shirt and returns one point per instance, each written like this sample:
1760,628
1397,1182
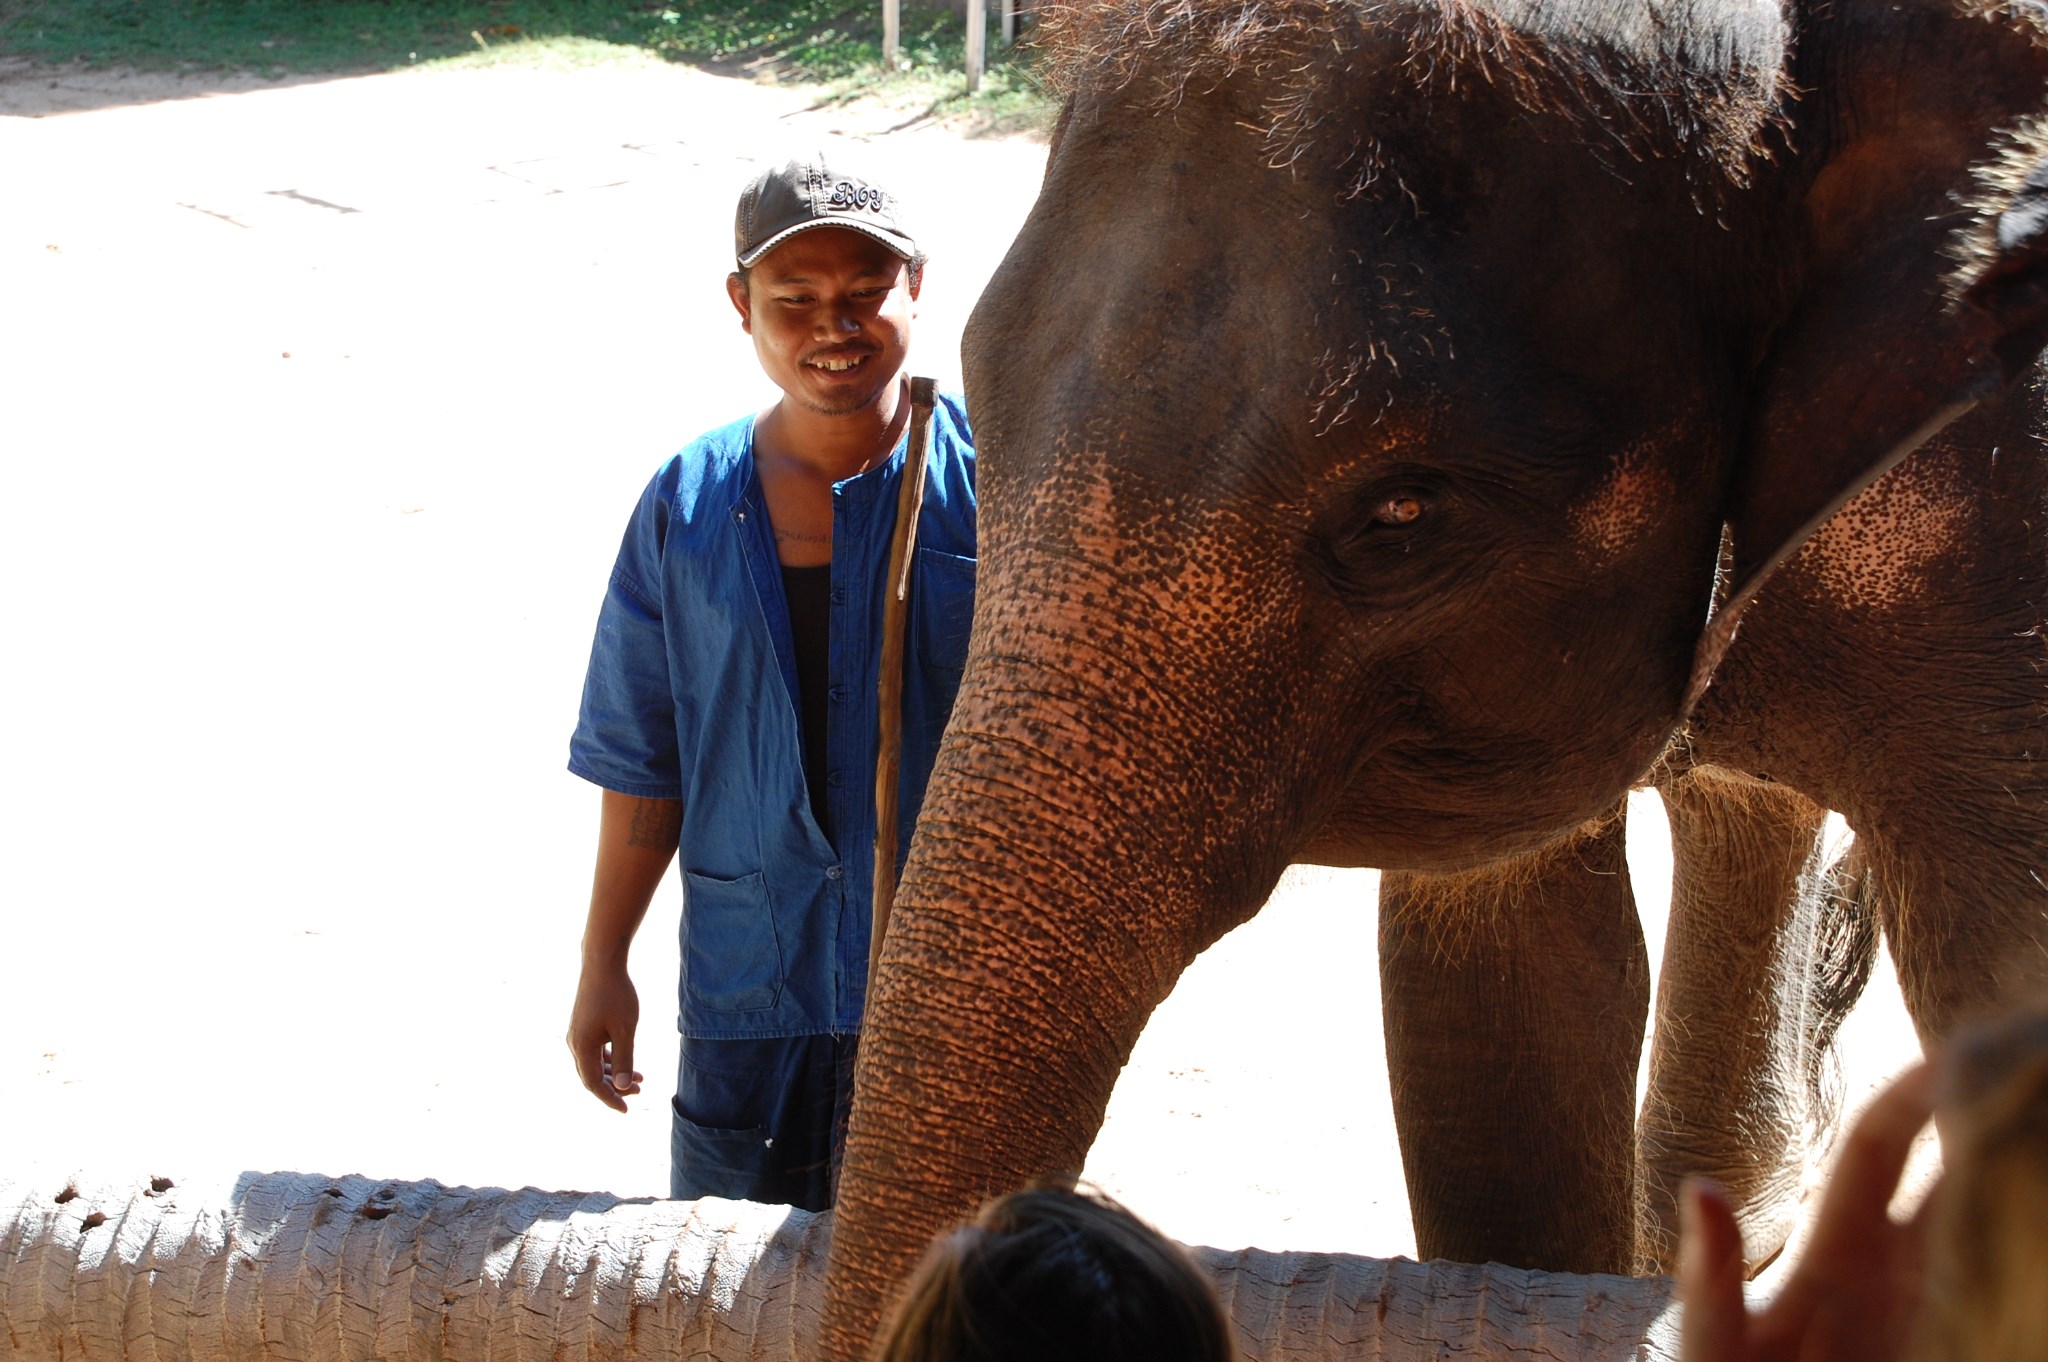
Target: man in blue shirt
730,709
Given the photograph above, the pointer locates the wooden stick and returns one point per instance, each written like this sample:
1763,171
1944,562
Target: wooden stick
895,623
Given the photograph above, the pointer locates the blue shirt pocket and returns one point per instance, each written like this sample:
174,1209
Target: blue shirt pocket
942,602
732,956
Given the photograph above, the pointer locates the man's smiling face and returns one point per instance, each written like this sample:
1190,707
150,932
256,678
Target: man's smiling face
829,311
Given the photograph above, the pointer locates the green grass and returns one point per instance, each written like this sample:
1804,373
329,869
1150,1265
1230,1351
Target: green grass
834,43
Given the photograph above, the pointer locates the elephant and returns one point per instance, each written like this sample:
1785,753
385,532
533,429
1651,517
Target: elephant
1388,414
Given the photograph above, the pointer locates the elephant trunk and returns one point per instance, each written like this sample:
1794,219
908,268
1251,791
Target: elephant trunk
315,1269
1055,890
1110,797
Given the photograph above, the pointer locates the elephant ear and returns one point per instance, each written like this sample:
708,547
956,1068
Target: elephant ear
1878,353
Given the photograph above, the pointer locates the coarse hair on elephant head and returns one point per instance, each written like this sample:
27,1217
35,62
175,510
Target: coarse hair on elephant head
1720,87
1362,409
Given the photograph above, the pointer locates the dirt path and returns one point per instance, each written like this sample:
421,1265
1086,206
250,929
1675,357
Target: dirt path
324,404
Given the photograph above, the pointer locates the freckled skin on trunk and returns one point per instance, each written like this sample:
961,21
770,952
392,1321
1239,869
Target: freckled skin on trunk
1053,1009
1084,691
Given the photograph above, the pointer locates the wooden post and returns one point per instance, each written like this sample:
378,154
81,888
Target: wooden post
977,42
892,32
1009,23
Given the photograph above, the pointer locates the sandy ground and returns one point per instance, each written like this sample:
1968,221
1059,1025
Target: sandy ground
322,406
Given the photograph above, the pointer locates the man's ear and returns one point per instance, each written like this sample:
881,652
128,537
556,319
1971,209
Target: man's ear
736,289
916,280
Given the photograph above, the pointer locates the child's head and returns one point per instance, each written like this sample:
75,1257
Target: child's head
1987,1260
1056,1273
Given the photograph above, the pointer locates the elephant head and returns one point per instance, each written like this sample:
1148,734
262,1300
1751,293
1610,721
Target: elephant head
1361,408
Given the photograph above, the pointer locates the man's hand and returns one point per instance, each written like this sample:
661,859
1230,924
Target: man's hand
1854,1293
601,1027
636,840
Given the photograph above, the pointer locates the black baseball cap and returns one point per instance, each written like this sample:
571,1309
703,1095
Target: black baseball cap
804,194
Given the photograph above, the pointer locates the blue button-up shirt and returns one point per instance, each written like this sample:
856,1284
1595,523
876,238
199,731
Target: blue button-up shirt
692,695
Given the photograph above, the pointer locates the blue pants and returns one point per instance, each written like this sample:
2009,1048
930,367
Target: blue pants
761,1120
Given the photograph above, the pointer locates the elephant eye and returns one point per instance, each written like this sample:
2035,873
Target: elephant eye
1402,509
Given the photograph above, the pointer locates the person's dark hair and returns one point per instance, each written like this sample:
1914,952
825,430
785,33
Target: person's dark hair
1054,1272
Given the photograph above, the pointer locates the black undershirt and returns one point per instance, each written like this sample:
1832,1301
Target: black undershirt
809,593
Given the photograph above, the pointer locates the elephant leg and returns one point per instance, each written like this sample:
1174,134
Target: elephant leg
1514,1002
1766,950
1968,932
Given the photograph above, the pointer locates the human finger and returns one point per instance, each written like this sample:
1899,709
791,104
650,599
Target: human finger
623,1078
1716,1320
591,1064
1872,1158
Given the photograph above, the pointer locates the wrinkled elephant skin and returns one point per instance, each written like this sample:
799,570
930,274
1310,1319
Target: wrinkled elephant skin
1360,411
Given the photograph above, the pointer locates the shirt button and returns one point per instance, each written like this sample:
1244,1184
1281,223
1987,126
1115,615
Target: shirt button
839,595
838,694
836,779
835,872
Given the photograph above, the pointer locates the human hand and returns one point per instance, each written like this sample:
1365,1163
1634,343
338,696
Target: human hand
601,1026
1855,1290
